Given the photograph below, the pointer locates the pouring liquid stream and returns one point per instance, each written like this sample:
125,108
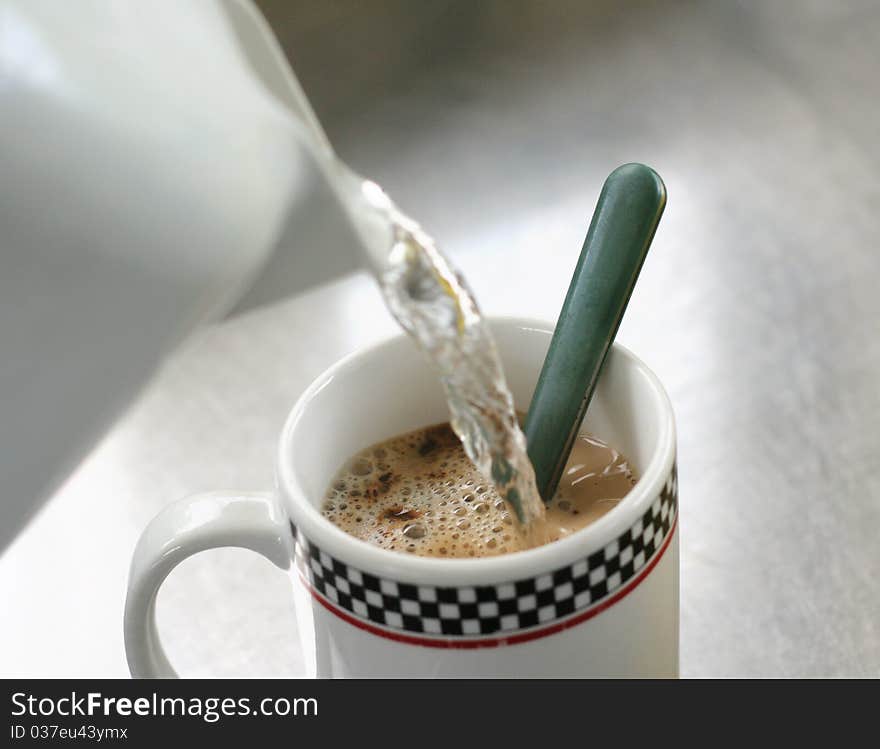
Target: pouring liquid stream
433,304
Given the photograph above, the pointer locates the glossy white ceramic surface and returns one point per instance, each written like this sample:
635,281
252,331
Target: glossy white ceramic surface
155,158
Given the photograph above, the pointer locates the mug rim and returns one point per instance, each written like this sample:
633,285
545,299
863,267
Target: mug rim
312,524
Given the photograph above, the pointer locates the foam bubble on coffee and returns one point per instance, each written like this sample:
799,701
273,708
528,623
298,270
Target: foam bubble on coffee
419,493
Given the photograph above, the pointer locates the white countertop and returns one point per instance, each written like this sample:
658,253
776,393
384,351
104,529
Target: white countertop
757,307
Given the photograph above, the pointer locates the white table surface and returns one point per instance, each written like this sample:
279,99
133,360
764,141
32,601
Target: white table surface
758,308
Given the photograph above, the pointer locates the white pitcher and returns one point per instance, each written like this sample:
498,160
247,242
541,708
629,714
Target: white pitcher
159,164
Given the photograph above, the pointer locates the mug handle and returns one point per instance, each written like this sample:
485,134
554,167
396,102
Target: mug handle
249,520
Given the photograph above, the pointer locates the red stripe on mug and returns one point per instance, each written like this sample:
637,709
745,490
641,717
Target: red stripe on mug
494,642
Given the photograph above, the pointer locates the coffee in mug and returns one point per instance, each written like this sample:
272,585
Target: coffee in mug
419,493
601,602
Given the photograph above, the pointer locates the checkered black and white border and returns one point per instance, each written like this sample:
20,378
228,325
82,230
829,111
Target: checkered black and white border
496,610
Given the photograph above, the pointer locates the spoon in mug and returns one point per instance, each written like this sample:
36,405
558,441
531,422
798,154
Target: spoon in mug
623,225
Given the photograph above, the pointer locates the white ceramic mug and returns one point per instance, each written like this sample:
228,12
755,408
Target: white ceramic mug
602,602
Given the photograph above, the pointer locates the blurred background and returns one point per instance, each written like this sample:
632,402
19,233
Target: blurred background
495,123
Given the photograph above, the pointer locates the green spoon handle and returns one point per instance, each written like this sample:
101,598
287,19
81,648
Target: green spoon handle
623,225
